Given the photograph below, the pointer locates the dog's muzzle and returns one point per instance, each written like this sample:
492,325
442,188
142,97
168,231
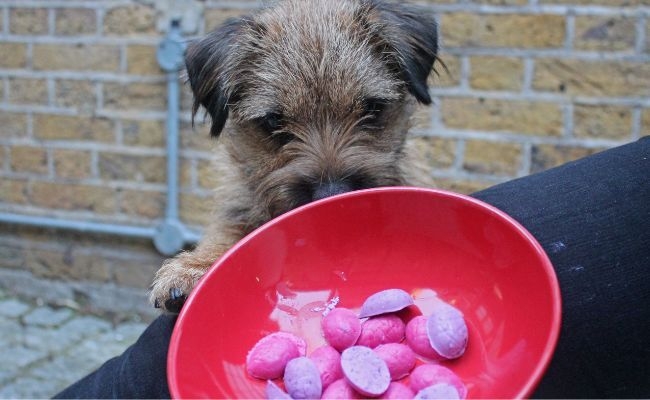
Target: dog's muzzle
327,189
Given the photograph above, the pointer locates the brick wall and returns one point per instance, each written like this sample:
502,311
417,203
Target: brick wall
536,83
531,84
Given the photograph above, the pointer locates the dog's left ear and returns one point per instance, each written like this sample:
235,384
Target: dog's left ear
412,36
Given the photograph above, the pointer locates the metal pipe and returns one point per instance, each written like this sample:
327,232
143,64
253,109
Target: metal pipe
169,238
147,232
81,226
171,210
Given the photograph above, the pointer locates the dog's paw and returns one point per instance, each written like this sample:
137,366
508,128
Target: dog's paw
172,284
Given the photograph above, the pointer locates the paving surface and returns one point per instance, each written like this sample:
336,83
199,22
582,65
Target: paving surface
44,349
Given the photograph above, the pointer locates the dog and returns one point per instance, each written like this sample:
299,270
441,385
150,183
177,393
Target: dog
309,99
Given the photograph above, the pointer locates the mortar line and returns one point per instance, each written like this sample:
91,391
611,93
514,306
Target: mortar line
558,52
94,164
49,154
123,59
99,95
640,42
541,96
459,156
30,125
112,77
51,92
29,54
471,176
526,156
82,40
4,150
570,28
5,91
63,3
119,132
465,71
568,110
529,72
87,145
5,21
514,137
51,29
636,123
99,21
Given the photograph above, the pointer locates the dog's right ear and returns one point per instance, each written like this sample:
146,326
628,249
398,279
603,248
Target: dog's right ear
206,61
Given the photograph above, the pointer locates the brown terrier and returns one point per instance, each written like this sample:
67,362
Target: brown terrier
318,95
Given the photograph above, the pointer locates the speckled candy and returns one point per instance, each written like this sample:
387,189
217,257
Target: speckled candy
386,328
386,301
365,371
302,379
438,391
399,359
447,331
341,328
270,355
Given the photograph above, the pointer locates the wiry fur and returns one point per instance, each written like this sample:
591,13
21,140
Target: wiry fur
318,95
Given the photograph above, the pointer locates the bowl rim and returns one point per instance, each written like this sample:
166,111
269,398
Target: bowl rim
551,278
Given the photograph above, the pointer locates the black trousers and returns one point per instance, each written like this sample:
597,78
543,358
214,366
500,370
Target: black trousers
592,217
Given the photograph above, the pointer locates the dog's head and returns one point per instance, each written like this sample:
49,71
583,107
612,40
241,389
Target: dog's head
318,92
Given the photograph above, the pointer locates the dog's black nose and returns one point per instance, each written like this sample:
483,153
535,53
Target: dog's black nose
327,189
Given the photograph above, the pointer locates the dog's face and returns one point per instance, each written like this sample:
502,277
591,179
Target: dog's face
318,94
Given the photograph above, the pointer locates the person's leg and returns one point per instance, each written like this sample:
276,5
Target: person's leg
139,372
592,217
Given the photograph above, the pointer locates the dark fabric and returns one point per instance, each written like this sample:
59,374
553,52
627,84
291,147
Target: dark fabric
139,372
592,217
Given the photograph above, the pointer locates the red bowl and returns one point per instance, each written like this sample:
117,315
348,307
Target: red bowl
352,245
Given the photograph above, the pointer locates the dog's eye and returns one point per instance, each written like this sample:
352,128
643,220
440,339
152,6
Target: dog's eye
373,108
282,137
271,122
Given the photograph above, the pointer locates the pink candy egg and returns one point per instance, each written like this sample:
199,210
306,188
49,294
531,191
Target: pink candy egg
365,371
366,359
341,328
300,343
447,331
430,374
399,359
328,362
268,358
274,392
302,379
418,340
389,300
386,328
438,391
341,389
397,390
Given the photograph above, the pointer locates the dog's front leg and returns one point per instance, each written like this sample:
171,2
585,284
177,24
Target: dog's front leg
177,277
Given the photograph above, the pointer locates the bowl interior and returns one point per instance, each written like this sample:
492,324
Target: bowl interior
343,249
